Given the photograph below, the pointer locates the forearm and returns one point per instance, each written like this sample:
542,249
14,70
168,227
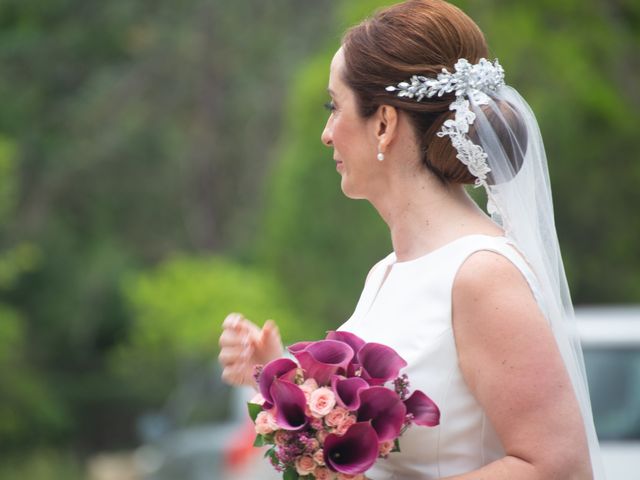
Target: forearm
506,468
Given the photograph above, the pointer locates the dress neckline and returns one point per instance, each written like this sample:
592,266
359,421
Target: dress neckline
395,263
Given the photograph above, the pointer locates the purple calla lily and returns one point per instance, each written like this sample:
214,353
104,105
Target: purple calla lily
349,338
320,360
290,403
298,347
354,452
379,363
424,410
347,391
385,410
281,367
354,369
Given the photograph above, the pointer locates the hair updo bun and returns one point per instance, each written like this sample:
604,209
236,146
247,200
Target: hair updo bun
416,37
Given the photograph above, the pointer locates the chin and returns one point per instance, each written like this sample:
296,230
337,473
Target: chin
349,191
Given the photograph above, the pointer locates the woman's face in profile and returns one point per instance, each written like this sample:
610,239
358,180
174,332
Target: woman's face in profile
351,136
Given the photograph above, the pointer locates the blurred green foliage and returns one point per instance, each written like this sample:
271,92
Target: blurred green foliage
161,166
41,464
177,310
129,131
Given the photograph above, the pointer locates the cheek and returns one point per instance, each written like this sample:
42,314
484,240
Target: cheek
339,133
347,138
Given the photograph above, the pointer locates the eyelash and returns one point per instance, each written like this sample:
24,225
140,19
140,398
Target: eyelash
330,106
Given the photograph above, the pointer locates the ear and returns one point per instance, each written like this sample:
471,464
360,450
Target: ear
386,125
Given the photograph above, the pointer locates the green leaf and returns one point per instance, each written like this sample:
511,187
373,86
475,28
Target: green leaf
262,440
396,445
254,410
290,474
259,441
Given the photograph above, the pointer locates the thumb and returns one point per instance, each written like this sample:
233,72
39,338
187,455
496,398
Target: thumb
269,338
269,331
269,345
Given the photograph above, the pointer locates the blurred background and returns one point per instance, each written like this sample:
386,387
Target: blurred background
161,166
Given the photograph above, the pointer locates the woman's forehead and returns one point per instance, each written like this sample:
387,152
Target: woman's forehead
335,71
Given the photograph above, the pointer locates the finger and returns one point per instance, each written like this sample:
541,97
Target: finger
270,328
230,355
242,339
268,335
237,336
238,323
234,375
232,320
230,338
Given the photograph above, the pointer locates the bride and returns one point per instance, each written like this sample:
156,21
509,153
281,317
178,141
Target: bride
478,305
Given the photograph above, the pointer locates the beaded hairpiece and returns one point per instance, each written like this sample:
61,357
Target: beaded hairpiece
469,82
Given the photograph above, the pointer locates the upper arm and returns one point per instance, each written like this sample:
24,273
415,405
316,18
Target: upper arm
510,361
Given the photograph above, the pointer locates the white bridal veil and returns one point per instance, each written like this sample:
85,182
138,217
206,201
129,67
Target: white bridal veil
520,200
497,137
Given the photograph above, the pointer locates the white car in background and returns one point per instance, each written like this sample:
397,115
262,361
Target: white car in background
610,339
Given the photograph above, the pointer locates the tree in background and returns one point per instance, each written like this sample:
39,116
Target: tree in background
139,129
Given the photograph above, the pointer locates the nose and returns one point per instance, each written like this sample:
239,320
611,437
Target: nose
326,135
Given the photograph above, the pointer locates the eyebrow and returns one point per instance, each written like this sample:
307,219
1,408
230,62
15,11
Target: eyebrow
331,92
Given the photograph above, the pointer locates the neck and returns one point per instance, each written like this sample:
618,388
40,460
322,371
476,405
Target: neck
422,214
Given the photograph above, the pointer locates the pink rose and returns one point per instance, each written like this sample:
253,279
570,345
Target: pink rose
318,457
344,426
336,416
316,424
321,435
385,448
308,386
321,402
258,399
313,445
305,465
322,473
265,423
281,437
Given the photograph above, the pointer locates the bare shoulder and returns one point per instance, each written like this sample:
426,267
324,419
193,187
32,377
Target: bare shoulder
485,269
488,281
495,315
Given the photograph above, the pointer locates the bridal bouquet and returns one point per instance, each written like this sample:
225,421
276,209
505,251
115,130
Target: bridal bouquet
329,416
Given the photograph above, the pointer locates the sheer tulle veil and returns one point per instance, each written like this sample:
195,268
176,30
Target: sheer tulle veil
496,136
519,194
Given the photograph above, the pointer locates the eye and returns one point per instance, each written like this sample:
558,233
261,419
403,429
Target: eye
330,106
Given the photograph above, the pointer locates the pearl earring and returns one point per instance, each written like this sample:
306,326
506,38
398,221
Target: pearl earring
380,156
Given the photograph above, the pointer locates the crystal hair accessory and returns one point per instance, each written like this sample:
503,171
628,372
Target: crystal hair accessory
471,83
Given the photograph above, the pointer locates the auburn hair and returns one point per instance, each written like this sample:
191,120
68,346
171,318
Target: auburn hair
416,37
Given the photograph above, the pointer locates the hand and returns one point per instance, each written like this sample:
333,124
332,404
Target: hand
243,345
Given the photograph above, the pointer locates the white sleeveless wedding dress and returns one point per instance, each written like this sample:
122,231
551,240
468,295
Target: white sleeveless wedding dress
407,305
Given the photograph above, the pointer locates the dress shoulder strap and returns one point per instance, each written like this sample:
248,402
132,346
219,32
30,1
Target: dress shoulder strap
505,247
